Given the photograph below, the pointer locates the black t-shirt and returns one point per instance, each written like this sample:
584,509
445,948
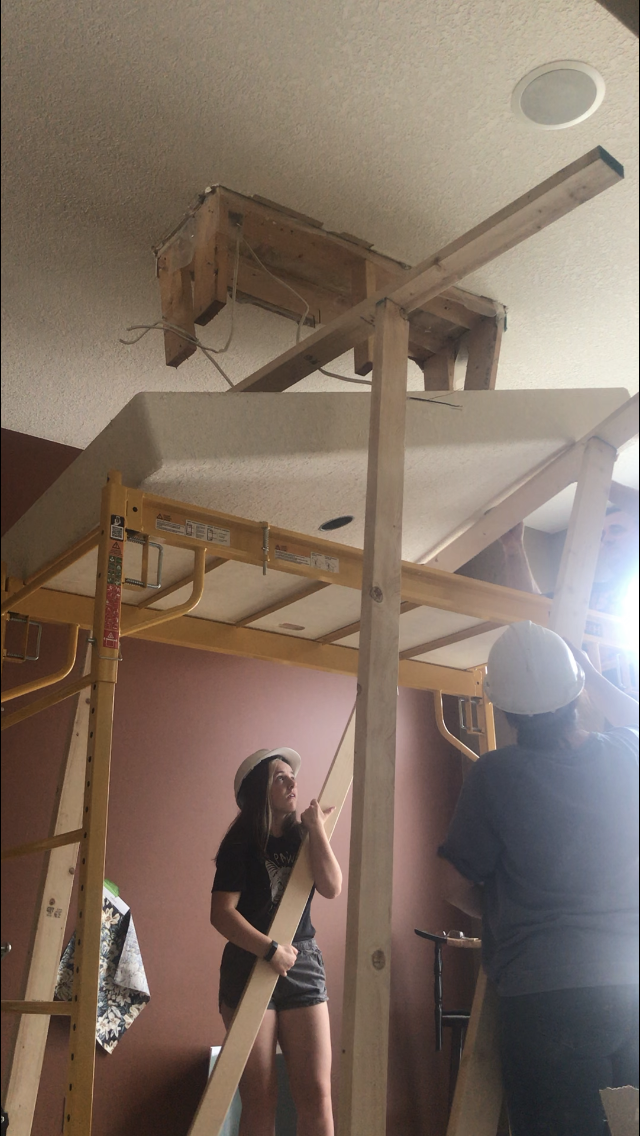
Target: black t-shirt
553,837
261,880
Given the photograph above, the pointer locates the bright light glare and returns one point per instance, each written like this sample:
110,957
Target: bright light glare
630,614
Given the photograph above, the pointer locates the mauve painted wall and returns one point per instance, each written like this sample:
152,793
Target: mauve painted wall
184,719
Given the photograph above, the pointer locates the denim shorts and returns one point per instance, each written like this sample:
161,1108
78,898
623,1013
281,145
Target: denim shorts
304,985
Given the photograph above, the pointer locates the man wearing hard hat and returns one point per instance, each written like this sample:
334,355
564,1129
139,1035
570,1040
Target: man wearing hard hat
544,847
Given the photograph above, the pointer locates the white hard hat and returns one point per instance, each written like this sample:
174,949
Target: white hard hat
289,755
531,670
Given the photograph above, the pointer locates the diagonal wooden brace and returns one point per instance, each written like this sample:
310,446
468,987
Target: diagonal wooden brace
247,1019
477,1101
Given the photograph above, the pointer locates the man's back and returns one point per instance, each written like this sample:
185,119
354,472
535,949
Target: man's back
553,837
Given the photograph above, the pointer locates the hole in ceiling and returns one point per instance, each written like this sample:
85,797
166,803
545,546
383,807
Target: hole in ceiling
335,523
557,95
291,626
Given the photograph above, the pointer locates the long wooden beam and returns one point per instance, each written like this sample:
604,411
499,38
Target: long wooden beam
52,908
618,430
547,202
224,638
46,845
478,1096
367,987
238,1043
24,1006
36,705
582,545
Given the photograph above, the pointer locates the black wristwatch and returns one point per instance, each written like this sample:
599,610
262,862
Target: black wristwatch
271,951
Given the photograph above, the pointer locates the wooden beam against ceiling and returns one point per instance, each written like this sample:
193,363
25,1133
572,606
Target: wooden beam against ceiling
245,642
547,202
447,640
626,11
484,343
177,310
438,370
618,430
364,285
365,1020
211,274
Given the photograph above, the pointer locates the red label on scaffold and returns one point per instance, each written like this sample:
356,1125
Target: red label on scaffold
111,633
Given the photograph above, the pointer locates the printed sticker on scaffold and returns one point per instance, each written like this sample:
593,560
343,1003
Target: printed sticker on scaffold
111,633
212,534
198,530
167,523
116,529
311,559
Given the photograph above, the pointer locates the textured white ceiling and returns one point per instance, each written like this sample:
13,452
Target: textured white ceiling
389,120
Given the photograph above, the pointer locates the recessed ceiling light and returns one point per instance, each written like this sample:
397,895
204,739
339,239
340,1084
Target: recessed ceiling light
291,626
336,523
558,95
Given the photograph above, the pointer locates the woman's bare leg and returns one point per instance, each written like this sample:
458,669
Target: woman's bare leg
258,1084
306,1043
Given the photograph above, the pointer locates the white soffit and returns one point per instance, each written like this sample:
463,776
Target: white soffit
297,461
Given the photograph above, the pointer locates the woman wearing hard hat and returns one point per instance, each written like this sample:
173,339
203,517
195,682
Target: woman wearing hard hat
544,847
253,865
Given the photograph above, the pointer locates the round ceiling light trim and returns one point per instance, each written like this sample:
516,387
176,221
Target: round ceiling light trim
335,523
557,95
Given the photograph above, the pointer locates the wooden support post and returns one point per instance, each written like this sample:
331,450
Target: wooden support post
363,284
477,1100
247,1019
211,258
176,299
438,369
104,673
501,514
52,908
581,548
365,1028
485,340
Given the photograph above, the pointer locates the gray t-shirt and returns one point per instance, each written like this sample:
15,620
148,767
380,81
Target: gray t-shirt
553,838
